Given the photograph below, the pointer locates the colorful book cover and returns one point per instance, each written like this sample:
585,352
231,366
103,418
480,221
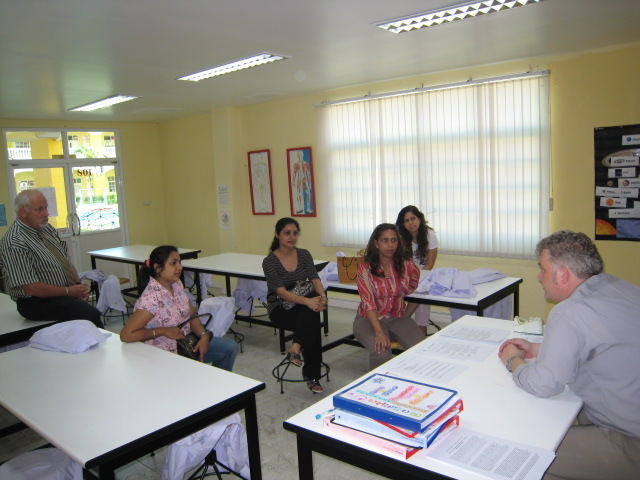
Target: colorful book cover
396,401
401,435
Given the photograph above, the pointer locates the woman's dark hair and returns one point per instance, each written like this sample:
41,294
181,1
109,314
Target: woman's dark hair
158,256
422,238
372,256
280,224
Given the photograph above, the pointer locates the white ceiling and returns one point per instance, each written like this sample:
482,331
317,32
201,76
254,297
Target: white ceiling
58,54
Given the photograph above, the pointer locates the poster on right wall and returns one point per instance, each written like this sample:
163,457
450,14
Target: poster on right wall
617,181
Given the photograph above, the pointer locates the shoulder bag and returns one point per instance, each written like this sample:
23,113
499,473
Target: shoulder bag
302,288
188,343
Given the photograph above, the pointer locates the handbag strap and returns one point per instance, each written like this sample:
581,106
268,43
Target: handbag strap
197,315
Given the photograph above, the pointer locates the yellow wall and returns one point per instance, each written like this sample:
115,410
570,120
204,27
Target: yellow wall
179,165
588,90
188,186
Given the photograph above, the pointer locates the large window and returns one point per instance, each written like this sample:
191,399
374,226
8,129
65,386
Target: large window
474,159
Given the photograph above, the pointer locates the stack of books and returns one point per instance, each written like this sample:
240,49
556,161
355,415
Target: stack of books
397,415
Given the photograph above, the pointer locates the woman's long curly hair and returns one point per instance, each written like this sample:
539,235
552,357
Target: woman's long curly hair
372,256
422,238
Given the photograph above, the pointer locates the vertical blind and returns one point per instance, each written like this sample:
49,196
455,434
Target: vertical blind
474,159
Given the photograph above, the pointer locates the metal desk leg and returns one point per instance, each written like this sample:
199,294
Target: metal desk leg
305,460
253,442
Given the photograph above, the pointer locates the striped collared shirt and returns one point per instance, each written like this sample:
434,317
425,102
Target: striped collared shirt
25,259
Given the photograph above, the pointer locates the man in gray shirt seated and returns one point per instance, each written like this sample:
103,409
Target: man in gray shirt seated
36,268
592,344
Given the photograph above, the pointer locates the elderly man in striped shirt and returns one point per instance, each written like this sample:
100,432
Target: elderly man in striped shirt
36,267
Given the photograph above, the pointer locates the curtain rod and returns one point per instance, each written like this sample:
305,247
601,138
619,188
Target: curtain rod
467,83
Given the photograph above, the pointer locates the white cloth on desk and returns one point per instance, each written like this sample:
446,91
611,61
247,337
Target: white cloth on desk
330,272
221,310
74,336
229,438
483,275
247,291
447,282
451,282
111,296
94,275
42,464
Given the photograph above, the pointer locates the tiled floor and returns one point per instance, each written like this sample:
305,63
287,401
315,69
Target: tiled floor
277,446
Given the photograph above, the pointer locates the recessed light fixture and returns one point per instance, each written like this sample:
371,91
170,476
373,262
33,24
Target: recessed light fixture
233,66
105,102
461,11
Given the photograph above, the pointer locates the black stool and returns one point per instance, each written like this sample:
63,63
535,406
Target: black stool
280,371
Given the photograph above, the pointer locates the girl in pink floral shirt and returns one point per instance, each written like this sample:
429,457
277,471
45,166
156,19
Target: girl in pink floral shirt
384,278
163,305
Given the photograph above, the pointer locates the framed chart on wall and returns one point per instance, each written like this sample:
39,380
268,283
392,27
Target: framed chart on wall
260,182
301,184
617,182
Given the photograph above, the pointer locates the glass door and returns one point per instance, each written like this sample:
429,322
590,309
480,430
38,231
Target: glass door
80,175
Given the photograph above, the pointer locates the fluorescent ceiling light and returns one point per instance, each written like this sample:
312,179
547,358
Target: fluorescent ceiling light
233,66
450,14
105,102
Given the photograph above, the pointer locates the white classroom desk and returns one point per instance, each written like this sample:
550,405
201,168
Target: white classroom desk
487,294
238,265
135,255
14,328
115,403
492,405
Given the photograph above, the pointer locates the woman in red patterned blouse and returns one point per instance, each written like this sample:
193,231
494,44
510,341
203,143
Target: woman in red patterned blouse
384,278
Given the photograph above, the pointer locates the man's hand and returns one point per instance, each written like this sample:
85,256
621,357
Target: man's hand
518,346
80,291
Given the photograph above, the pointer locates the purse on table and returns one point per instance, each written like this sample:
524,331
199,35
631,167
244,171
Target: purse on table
302,288
188,343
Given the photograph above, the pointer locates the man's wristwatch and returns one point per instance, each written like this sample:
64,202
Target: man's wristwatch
510,361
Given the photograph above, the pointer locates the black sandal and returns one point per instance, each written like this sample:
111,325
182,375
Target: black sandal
295,359
315,387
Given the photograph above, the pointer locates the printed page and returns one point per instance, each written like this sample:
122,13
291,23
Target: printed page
424,369
456,349
491,457
466,332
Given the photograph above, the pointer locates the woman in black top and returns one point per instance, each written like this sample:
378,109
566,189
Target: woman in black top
283,267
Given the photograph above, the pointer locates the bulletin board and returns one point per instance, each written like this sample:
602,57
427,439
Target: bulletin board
617,182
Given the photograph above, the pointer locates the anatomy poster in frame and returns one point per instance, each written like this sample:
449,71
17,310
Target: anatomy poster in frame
301,185
260,182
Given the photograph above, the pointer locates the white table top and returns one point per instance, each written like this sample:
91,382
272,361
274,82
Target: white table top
493,405
483,290
11,322
91,403
133,253
244,264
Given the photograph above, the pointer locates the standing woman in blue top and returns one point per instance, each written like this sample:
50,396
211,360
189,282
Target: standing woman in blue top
283,267
416,232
